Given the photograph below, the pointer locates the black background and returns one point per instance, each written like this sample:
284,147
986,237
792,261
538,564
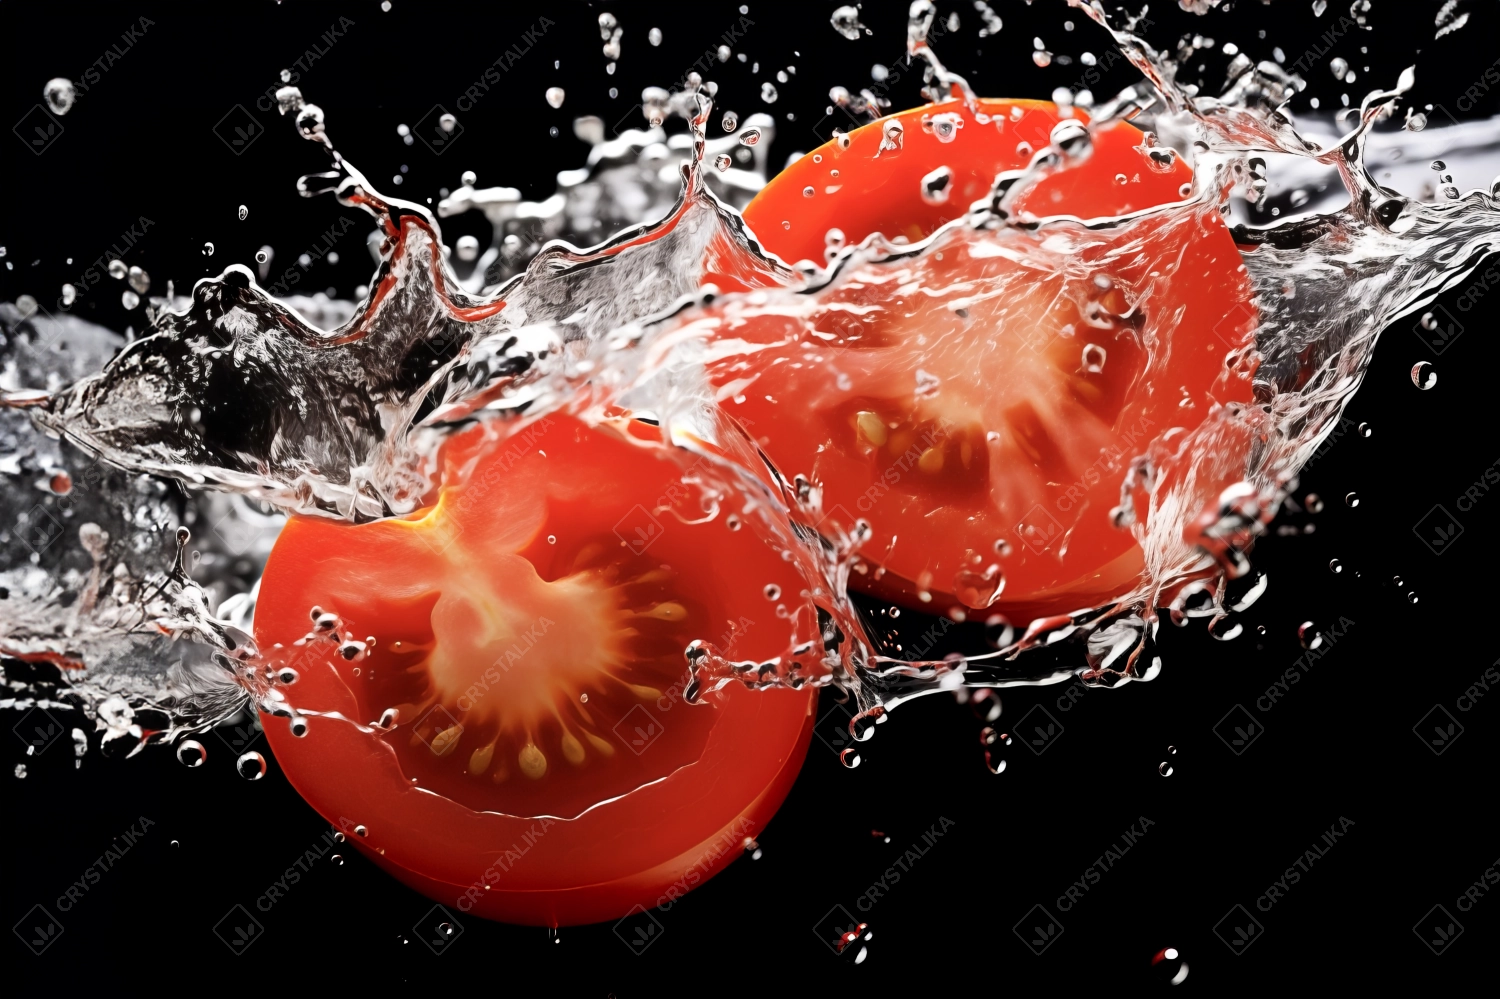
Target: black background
1224,826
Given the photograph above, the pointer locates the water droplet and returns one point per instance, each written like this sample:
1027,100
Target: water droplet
1335,566
556,96
1225,629
893,611
117,269
937,185
1351,500
1411,597
244,213
1365,430
139,280
1093,358
69,294
750,136
850,758
730,121
129,299
1423,375
808,191
208,249
60,95
1042,58
772,591
251,766
998,631
61,483
1309,635
654,37
191,753
845,21
1338,67
551,539
338,860
1313,502
263,255
361,831
1165,769
995,763
467,248
1171,750
768,92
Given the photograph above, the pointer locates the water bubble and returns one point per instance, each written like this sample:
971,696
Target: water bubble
1423,375
191,753
208,249
1171,750
556,96
772,591
850,758
1309,635
845,21
1411,597
768,92
808,191
750,136
1165,769
338,860
722,162
1351,500
251,766
654,37
1365,430
129,299
117,269
1335,566
361,831
262,255
298,727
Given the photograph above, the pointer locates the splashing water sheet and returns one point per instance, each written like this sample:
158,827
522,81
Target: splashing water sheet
594,245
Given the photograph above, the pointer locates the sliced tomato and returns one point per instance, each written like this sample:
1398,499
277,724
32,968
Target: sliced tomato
980,405
545,765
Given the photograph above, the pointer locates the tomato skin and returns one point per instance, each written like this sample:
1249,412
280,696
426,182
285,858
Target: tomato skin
800,387
538,867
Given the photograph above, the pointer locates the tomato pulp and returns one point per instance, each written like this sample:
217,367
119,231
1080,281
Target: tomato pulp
980,405
544,766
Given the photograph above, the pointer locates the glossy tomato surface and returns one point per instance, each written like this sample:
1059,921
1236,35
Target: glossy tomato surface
544,766
980,405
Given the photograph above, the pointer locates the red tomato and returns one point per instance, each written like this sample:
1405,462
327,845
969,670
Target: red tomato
530,630
985,441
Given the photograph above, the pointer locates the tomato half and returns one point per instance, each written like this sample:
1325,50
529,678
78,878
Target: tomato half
980,404
529,632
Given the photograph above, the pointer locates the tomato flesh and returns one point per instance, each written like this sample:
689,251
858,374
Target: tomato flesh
979,405
529,634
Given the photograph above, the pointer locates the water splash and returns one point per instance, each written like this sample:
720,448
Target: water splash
247,396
